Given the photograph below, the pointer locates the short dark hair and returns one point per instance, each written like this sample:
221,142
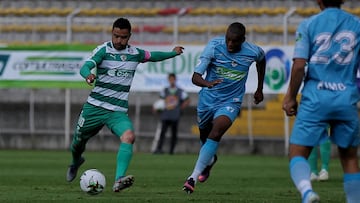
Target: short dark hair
122,23
171,75
332,3
237,28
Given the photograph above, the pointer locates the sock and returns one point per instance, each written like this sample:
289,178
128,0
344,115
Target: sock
313,160
211,161
300,174
77,148
207,152
325,153
351,187
124,156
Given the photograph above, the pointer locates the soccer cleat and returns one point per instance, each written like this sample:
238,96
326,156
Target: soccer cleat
123,182
72,170
206,172
323,175
311,197
313,177
189,186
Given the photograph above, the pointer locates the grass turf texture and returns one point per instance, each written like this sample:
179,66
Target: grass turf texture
39,176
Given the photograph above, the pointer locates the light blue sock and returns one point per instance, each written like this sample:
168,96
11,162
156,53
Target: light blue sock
300,174
352,187
207,151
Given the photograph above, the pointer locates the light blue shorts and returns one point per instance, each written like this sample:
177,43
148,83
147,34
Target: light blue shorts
310,133
230,110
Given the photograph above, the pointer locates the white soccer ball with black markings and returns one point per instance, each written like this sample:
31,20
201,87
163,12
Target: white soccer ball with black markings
92,181
159,105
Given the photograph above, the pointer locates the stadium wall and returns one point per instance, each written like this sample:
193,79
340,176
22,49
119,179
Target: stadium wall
48,125
48,132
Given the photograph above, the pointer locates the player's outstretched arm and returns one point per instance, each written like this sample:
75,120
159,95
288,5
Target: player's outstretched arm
160,56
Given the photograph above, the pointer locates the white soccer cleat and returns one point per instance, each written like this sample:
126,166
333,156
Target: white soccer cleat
313,177
311,197
323,175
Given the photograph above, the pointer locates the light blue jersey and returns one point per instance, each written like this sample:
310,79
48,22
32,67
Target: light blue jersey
233,68
330,42
216,62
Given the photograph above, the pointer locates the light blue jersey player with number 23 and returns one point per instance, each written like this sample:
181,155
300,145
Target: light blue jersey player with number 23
328,45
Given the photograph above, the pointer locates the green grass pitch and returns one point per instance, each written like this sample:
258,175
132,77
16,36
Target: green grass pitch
39,176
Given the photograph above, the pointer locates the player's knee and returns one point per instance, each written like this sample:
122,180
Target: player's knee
128,137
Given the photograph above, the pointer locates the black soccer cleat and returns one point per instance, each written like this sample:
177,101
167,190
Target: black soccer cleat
189,186
72,170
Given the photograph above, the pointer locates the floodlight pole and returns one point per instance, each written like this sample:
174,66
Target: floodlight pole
285,24
67,118
175,29
69,24
285,42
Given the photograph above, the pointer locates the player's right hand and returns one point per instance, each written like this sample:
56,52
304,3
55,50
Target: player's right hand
90,79
214,83
179,50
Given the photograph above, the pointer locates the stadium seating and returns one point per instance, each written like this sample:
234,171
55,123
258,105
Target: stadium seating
264,19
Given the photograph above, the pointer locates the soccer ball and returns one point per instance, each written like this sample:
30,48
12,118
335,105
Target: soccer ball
159,105
92,181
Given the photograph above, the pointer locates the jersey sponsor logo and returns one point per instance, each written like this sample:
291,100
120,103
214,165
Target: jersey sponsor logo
333,86
277,69
230,74
120,73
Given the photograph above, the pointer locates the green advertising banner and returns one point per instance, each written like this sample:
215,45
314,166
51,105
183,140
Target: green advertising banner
58,67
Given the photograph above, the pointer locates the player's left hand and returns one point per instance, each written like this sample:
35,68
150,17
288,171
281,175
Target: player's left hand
258,96
179,50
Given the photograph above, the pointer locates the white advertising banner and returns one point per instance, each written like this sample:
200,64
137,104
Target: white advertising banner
151,76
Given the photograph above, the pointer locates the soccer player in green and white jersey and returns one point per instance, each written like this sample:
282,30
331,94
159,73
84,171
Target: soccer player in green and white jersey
116,62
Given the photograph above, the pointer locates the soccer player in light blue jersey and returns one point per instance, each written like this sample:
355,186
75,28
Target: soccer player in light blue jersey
225,61
327,43
107,105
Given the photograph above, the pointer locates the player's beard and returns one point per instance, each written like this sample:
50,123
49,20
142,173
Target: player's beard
120,46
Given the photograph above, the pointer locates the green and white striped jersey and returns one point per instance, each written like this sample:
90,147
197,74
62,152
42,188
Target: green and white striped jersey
115,71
